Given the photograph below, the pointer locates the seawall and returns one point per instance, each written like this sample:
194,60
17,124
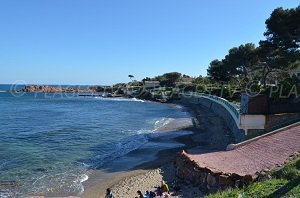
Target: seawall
218,109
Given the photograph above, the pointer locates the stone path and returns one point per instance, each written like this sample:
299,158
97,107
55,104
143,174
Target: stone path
263,153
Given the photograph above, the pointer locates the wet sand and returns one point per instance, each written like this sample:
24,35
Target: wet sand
144,168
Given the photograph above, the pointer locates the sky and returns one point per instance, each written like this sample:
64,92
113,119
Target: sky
101,42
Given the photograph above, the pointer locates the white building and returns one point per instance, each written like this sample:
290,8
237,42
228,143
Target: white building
151,84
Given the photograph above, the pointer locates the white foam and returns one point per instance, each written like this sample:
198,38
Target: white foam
78,183
69,181
84,178
162,122
120,99
169,134
177,106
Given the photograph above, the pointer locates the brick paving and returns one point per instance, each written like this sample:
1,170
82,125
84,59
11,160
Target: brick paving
263,153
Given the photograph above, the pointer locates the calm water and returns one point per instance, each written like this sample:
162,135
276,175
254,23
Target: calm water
48,142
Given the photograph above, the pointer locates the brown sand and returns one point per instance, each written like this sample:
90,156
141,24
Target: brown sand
210,134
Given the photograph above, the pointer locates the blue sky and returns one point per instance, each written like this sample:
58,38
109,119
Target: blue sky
102,41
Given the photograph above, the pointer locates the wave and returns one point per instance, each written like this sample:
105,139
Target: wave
120,149
112,151
67,182
78,183
162,122
62,182
120,99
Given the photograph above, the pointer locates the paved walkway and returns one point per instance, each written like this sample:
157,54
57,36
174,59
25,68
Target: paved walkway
253,157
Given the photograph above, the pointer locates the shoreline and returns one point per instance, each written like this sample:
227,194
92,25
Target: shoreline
157,158
204,135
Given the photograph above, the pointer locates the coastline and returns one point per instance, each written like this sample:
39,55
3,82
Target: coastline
208,133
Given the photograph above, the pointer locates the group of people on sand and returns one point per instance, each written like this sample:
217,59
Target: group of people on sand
148,194
160,192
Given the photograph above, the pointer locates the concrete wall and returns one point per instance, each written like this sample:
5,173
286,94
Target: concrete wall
274,122
217,108
280,120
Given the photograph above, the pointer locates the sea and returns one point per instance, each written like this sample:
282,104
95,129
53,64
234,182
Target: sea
50,142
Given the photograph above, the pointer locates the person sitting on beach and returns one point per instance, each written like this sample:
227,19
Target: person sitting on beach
152,194
147,195
164,187
109,193
158,191
140,194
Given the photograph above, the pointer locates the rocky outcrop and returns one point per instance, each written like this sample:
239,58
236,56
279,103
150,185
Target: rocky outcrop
52,89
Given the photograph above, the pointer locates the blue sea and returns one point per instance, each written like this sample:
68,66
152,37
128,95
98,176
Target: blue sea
49,142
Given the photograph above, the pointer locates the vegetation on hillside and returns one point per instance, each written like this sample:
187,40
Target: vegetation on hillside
268,63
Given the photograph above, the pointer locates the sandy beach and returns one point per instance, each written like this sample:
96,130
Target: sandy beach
209,133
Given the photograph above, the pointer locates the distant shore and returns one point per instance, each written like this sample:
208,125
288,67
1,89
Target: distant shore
94,91
209,133
55,89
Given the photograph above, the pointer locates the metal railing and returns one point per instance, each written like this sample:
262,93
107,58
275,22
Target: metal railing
230,107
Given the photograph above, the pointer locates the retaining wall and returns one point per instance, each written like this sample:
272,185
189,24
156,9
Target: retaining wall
274,122
206,179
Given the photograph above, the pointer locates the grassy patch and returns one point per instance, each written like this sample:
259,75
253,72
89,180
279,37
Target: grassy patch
285,182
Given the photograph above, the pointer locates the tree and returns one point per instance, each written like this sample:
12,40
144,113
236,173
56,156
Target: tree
146,79
283,28
185,76
218,72
237,64
131,77
271,59
201,80
280,50
169,79
240,60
